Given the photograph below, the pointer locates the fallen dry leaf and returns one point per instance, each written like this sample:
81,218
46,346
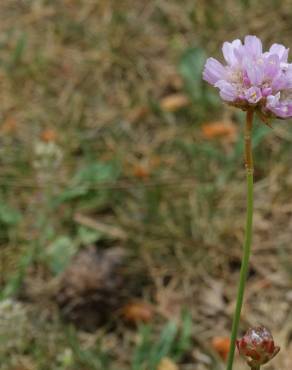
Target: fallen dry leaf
9,126
174,102
143,169
219,129
141,172
155,162
48,135
221,345
167,364
137,114
135,312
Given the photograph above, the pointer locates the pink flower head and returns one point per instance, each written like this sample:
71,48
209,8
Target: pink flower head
252,78
257,346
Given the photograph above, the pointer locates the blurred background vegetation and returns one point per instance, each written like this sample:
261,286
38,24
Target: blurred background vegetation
122,194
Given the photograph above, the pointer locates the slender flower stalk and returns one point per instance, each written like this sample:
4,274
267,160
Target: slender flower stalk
258,83
248,236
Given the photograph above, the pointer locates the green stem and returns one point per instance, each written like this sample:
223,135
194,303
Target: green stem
247,240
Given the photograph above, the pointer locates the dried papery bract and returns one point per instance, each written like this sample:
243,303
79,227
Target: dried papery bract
256,82
257,347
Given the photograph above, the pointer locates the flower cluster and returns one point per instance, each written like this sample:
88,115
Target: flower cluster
253,79
257,346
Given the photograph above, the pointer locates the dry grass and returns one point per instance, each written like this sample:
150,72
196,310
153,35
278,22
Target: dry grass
81,82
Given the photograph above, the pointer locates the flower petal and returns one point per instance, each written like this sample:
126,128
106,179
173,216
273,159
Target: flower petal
272,67
281,51
283,81
213,71
255,72
282,109
229,49
227,91
253,46
253,95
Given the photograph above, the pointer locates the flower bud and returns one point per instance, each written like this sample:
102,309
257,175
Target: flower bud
257,346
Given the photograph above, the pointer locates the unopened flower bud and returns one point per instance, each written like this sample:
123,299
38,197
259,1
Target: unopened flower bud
257,346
